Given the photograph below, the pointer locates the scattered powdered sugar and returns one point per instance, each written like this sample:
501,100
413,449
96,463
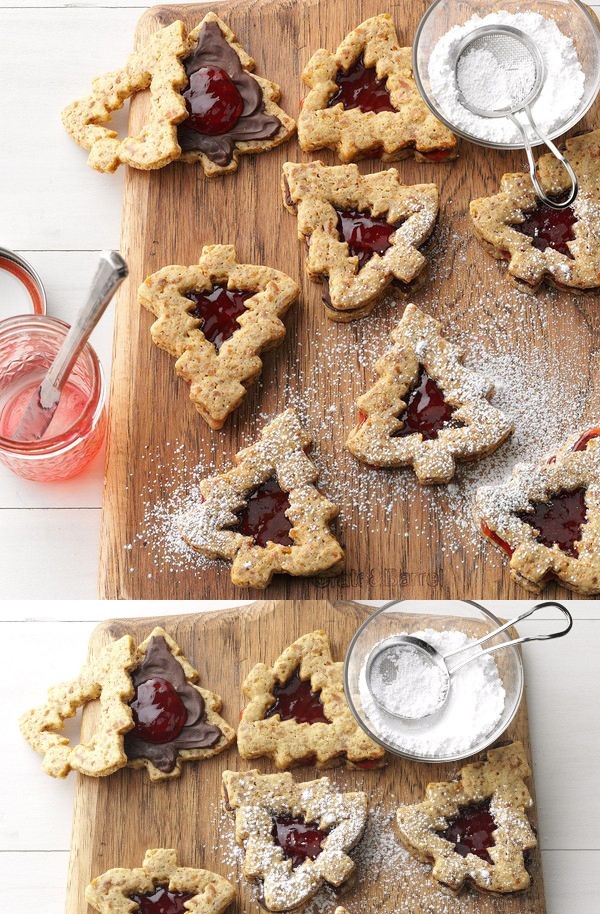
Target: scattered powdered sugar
559,96
472,710
404,680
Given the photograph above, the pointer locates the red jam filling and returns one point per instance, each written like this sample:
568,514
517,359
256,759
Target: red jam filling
582,442
472,832
213,102
294,700
159,714
264,517
218,311
559,521
298,839
359,87
427,411
493,536
362,418
437,155
549,228
364,234
368,764
162,901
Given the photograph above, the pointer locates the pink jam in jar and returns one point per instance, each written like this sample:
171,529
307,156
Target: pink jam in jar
28,345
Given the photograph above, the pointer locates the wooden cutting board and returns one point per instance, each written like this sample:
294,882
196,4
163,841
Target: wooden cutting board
117,818
395,543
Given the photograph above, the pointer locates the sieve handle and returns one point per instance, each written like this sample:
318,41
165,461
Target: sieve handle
557,155
502,628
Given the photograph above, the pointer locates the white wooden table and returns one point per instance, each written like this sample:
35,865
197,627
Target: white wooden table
35,811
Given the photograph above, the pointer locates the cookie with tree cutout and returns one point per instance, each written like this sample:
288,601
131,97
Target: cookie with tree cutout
216,318
105,678
157,67
298,713
546,517
542,244
475,829
231,111
426,410
296,836
266,515
175,719
364,102
363,232
159,886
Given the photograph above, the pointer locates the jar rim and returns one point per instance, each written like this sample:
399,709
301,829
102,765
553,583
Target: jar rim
93,406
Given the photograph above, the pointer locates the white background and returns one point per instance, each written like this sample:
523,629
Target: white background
562,680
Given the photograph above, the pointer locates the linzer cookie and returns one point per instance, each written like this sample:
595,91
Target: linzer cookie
266,515
297,836
426,410
157,67
159,886
298,713
542,244
175,720
475,829
106,679
215,318
363,231
231,112
546,517
363,101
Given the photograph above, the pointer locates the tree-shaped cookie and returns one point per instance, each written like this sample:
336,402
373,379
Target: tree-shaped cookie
426,410
363,231
561,247
105,678
232,112
298,713
363,101
175,720
159,886
215,318
546,517
296,835
475,829
266,515
157,67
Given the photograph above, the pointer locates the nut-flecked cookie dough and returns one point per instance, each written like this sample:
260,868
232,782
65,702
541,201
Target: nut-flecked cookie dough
298,713
364,101
161,882
426,410
215,318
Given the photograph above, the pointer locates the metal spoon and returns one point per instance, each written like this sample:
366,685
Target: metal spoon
395,643
40,410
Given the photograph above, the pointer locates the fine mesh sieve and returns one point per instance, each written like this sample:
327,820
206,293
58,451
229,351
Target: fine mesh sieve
520,67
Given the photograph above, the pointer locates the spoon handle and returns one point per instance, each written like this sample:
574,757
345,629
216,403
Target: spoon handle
111,272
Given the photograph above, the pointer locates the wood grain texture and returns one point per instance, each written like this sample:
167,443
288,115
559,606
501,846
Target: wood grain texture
117,818
169,214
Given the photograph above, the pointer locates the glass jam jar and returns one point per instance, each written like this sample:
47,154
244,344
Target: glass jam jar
28,345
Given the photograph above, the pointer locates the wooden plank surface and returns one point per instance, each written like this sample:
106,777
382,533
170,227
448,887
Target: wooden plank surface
116,819
397,540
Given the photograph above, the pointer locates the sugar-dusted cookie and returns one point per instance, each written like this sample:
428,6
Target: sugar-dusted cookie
176,720
231,111
266,515
546,517
215,318
363,231
105,678
297,836
475,829
561,247
298,713
426,410
159,885
156,66
364,102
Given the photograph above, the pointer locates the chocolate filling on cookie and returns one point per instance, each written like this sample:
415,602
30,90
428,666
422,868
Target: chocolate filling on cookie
427,410
168,711
225,103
